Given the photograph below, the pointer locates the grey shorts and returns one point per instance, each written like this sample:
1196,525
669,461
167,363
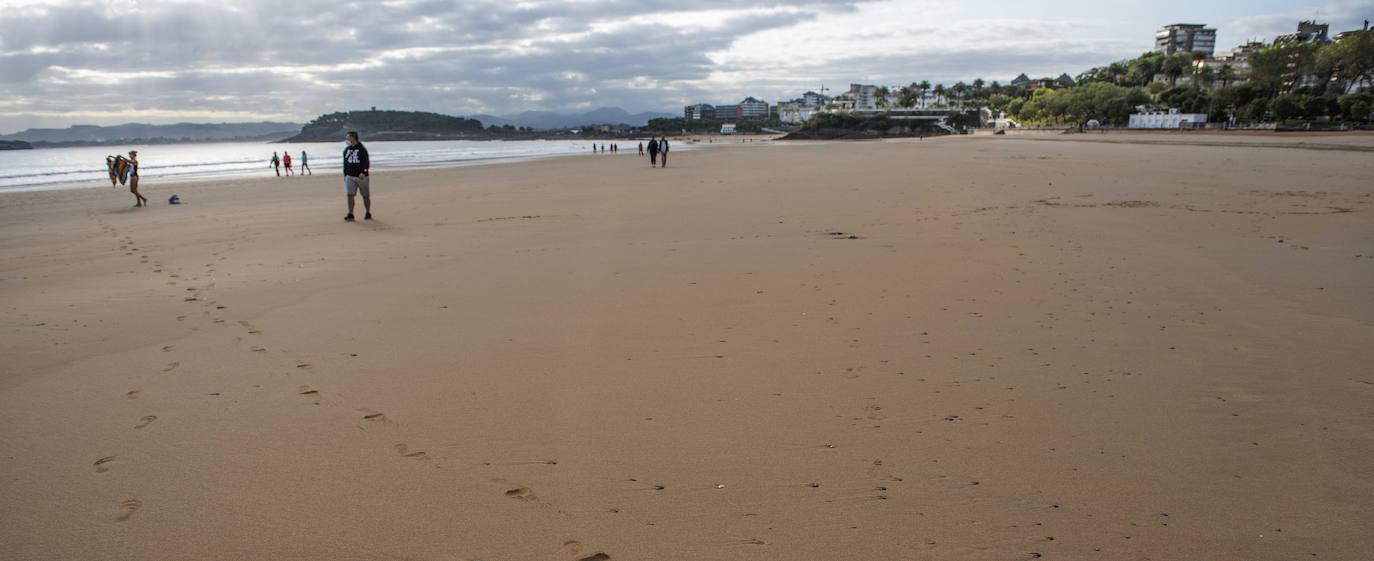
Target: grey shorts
356,184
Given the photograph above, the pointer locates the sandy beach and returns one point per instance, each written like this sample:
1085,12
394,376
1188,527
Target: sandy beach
1114,347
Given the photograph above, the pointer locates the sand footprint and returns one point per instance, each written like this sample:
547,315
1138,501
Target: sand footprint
305,390
879,472
100,464
127,509
373,416
132,394
404,450
171,366
146,420
521,493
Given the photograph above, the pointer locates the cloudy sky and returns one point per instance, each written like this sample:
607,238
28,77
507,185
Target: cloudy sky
65,62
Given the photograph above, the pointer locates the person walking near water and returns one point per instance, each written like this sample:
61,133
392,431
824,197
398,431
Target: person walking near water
663,151
286,162
305,165
653,152
133,179
276,164
641,148
356,176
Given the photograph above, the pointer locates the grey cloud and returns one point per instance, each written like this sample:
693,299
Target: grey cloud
475,68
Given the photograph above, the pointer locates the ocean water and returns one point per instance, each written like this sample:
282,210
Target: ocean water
84,167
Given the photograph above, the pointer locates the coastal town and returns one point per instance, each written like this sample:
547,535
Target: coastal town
1183,82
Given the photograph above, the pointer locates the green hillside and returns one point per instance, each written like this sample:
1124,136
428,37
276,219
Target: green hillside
388,125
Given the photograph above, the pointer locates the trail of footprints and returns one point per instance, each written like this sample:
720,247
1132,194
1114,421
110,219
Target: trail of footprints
199,295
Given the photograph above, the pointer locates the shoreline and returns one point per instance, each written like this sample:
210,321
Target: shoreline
251,175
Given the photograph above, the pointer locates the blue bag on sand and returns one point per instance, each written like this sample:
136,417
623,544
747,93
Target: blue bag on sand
174,200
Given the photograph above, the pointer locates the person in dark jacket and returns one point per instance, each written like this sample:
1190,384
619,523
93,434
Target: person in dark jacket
663,151
653,152
356,176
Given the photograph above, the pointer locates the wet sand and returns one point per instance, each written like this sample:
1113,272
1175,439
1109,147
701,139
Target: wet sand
986,348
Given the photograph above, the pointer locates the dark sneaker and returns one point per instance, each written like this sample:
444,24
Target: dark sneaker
349,217
367,216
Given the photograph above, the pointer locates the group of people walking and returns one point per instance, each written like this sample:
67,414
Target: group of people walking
658,150
285,161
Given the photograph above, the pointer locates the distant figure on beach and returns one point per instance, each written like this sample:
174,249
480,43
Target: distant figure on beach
641,148
305,164
653,152
286,162
133,179
663,151
356,176
276,164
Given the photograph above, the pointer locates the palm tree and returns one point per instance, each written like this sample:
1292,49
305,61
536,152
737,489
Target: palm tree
924,87
939,90
960,88
978,84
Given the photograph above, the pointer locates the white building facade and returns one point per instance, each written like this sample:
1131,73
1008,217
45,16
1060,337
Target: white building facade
1170,119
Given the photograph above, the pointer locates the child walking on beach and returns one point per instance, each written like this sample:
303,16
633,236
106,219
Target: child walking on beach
305,165
286,162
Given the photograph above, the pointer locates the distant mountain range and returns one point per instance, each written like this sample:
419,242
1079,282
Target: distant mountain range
138,132
543,120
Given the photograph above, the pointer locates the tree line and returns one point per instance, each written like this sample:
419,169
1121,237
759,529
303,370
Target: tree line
1286,81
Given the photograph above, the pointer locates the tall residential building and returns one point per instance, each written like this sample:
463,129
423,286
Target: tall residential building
751,107
698,112
1185,38
1308,32
865,96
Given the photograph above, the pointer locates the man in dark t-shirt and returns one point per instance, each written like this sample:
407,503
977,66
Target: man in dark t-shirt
356,177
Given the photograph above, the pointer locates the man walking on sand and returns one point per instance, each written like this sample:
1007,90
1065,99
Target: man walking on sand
276,164
286,162
356,177
663,151
305,164
653,152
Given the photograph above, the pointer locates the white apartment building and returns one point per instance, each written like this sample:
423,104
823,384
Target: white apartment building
865,95
751,107
796,111
1186,38
1170,119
